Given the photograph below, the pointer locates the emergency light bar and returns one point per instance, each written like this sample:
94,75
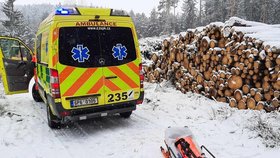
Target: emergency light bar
66,11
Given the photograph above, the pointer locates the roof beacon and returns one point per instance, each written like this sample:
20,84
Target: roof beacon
66,11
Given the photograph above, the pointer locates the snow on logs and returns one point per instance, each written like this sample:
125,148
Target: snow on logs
220,63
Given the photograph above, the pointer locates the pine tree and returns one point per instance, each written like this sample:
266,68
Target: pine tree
210,11
223,10
165,17
217,14
140,21
165,5
200,14
233,7
252,10
267,11
177,23
276,12
240,10
14,25
132,15
249,10
44,15
14,18
189,17
35,13
174,4
153,24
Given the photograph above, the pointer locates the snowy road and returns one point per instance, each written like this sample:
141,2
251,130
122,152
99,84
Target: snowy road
24,131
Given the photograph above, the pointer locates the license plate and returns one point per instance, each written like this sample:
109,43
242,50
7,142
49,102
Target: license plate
84,101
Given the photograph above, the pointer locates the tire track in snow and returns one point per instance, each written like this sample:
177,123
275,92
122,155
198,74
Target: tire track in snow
69,131
39,108
139,117
113,127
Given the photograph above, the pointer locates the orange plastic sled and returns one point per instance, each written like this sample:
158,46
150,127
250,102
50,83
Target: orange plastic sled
180,143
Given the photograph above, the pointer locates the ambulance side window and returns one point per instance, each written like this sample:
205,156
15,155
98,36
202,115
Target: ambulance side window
44,48
11,49
38,48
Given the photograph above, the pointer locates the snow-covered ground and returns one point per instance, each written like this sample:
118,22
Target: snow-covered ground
227,132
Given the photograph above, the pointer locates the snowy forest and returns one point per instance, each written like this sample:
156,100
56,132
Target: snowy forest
22,21
165,19
169,17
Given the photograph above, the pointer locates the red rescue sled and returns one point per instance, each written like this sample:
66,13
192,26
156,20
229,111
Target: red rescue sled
180,143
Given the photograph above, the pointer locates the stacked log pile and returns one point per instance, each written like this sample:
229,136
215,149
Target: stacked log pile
222,64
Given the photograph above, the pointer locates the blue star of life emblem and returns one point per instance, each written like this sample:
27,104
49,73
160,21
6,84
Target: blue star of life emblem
80,53
119,51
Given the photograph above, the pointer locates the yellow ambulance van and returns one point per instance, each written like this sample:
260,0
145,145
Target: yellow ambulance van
86,63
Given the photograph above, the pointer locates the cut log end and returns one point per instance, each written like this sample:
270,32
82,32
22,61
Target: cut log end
235,82
232,102
251,103
241,105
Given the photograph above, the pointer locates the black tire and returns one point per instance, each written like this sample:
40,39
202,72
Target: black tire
126,114
53,121
35,94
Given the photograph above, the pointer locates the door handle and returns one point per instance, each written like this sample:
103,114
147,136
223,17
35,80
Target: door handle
111,77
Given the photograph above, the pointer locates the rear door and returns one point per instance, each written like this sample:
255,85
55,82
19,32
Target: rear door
121,65
16,65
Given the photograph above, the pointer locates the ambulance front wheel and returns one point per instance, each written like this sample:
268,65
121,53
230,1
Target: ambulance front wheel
126,114
35,94
53,121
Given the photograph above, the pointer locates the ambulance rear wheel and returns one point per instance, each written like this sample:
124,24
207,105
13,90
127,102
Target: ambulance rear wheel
53,121
35,94
126,114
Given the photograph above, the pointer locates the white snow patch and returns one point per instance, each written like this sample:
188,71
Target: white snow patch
206,38
262,54
218,49
236,20
227,132
268,33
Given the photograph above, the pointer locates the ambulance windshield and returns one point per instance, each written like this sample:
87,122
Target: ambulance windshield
96,46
